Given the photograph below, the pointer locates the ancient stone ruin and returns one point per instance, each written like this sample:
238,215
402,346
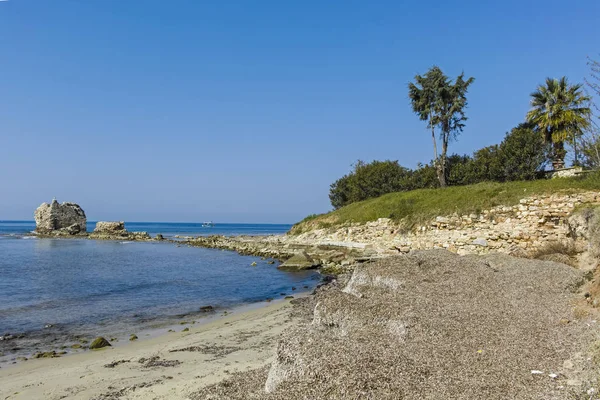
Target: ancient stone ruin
60,219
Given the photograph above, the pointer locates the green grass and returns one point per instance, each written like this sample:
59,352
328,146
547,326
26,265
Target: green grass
420,206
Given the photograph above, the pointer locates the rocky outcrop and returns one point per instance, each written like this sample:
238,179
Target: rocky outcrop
522,228
60,219
434,325
299,262
116,231
109,227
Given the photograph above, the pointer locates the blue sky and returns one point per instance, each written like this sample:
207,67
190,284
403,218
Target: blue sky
246,111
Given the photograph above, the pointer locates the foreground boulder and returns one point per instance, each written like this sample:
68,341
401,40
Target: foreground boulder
434,325
60,219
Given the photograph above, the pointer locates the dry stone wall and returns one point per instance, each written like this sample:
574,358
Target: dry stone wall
524,227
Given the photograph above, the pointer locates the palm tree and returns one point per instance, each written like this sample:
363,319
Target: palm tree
440,102
560,112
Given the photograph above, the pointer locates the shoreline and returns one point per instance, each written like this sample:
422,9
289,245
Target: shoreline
207,353
69,343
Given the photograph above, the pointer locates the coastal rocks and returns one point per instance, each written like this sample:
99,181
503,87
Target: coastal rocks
207,309
60,219
99,343
159,237
522,228
116,231
109,227
299,262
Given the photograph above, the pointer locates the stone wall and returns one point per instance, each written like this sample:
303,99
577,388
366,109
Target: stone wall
524,227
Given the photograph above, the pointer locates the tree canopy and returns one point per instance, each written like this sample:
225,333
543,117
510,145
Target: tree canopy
560,112
440,102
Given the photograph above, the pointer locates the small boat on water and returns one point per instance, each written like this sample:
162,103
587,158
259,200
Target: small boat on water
208,224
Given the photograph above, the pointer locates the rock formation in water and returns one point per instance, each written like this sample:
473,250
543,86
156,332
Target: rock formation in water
61,219
109,227
115,230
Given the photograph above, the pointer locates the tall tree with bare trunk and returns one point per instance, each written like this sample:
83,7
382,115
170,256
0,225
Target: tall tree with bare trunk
440,102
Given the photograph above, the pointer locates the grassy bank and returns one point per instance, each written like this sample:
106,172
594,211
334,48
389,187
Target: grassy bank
419,206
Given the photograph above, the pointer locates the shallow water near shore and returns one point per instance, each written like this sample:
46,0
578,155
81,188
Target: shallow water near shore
57,292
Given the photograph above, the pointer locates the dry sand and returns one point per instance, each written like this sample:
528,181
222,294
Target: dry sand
172,367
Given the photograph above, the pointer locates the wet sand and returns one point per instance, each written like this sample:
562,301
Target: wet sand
169,366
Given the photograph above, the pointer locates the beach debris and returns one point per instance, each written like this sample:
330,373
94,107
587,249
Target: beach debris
212,349
48,354
115,363
155,361
553,376
133,337
536,372
47,326
207,309
99,343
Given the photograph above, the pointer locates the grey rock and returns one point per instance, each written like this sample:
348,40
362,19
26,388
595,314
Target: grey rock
55,218
299,261
109,227
480,242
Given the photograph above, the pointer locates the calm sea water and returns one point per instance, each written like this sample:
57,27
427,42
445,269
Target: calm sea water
86,288
166,228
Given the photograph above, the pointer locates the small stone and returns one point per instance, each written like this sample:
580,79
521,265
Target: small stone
253,264
99,343
133,337
480,242
186,330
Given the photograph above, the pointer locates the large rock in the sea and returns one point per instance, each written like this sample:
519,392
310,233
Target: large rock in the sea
109,227
65,218
299,262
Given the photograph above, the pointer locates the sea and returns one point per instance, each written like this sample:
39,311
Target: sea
57,293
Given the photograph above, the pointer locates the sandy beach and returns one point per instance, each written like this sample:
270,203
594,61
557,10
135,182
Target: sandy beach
165,367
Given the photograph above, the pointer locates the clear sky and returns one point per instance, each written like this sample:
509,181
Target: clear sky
246,111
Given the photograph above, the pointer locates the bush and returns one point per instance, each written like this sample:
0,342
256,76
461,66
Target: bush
369,180
520,156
